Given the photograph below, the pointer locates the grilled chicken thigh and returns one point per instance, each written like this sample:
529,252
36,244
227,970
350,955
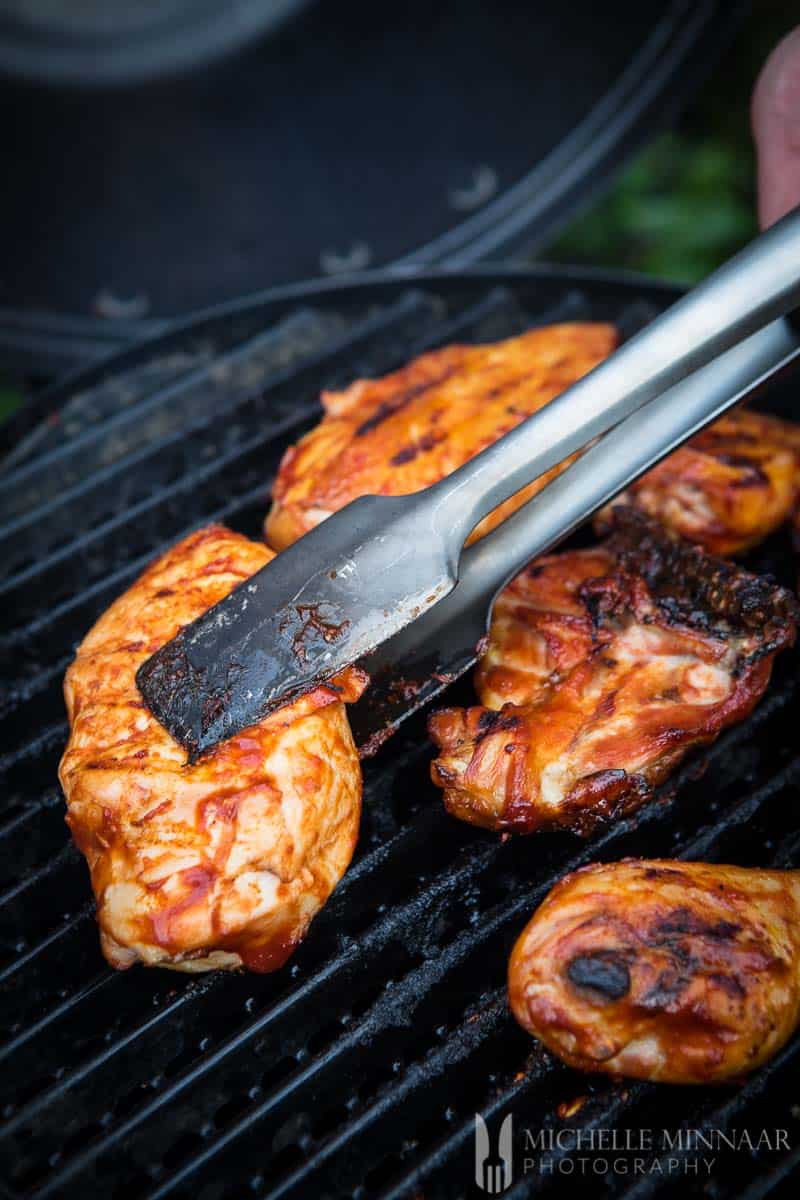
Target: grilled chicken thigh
223,862
403,432
603,668
661,970
727,488
541,627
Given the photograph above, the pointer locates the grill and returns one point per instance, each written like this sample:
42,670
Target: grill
357,1070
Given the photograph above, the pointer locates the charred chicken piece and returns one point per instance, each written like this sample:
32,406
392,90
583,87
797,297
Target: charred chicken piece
618,661
727,488
220,863
668,971
403,432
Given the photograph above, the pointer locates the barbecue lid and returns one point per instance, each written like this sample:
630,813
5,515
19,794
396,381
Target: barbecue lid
358,135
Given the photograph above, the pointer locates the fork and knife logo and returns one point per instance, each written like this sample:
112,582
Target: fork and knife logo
493,1167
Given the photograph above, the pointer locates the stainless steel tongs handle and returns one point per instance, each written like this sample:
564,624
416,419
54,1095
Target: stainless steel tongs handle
624,454
750,290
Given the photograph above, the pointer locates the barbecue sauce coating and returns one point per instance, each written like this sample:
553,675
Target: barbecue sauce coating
224,861
730,486
603,668
409,429
662,970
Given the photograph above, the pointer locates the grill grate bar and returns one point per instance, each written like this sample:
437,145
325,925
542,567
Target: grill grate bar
465,1037
139,474
53,735
24,1115
497,303
34,685
472,939
89,542
307,1076
720,1117
611,1111
67,855
32,809
69,462
447,1147
83,914
100,594
378,935
99,982
741,813
67,566
395,920
775,1178
617,1104
38,625
364,868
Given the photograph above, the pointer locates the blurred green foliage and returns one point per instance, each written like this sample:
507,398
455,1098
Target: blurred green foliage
688,201
677,212
10,398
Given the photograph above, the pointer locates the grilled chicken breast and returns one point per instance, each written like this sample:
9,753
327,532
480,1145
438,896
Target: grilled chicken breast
603,669
668,971
223,862
403,432
727,488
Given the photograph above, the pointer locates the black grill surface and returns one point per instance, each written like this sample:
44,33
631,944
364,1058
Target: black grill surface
357,1070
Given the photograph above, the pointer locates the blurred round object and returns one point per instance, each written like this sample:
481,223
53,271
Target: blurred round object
356,136
109,42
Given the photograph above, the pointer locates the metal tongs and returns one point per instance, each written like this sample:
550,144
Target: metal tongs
373,578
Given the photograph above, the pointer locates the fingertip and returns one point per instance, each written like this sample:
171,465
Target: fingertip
777,90
775,122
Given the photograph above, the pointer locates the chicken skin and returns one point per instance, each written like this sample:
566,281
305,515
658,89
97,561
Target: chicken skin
728,488
603,668
540,629
662,970
408,430
222,862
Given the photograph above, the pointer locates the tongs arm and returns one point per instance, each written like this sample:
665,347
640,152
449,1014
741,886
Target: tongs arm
622,455
752,289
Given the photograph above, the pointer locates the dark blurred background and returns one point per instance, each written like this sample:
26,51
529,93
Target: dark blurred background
688,201
678,208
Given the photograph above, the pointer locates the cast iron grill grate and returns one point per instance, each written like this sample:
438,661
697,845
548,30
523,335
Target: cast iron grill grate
357,1070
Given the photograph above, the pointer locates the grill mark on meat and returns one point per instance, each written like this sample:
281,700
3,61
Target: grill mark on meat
409,453
669,986
388,408
687,921
757,475
729,984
